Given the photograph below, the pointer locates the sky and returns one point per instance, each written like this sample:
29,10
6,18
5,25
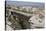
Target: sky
29,0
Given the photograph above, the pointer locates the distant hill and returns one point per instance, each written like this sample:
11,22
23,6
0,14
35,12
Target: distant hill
30,4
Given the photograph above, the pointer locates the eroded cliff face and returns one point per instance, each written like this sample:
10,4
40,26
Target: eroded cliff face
19,22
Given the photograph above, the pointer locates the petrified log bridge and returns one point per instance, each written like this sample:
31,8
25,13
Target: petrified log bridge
20,16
